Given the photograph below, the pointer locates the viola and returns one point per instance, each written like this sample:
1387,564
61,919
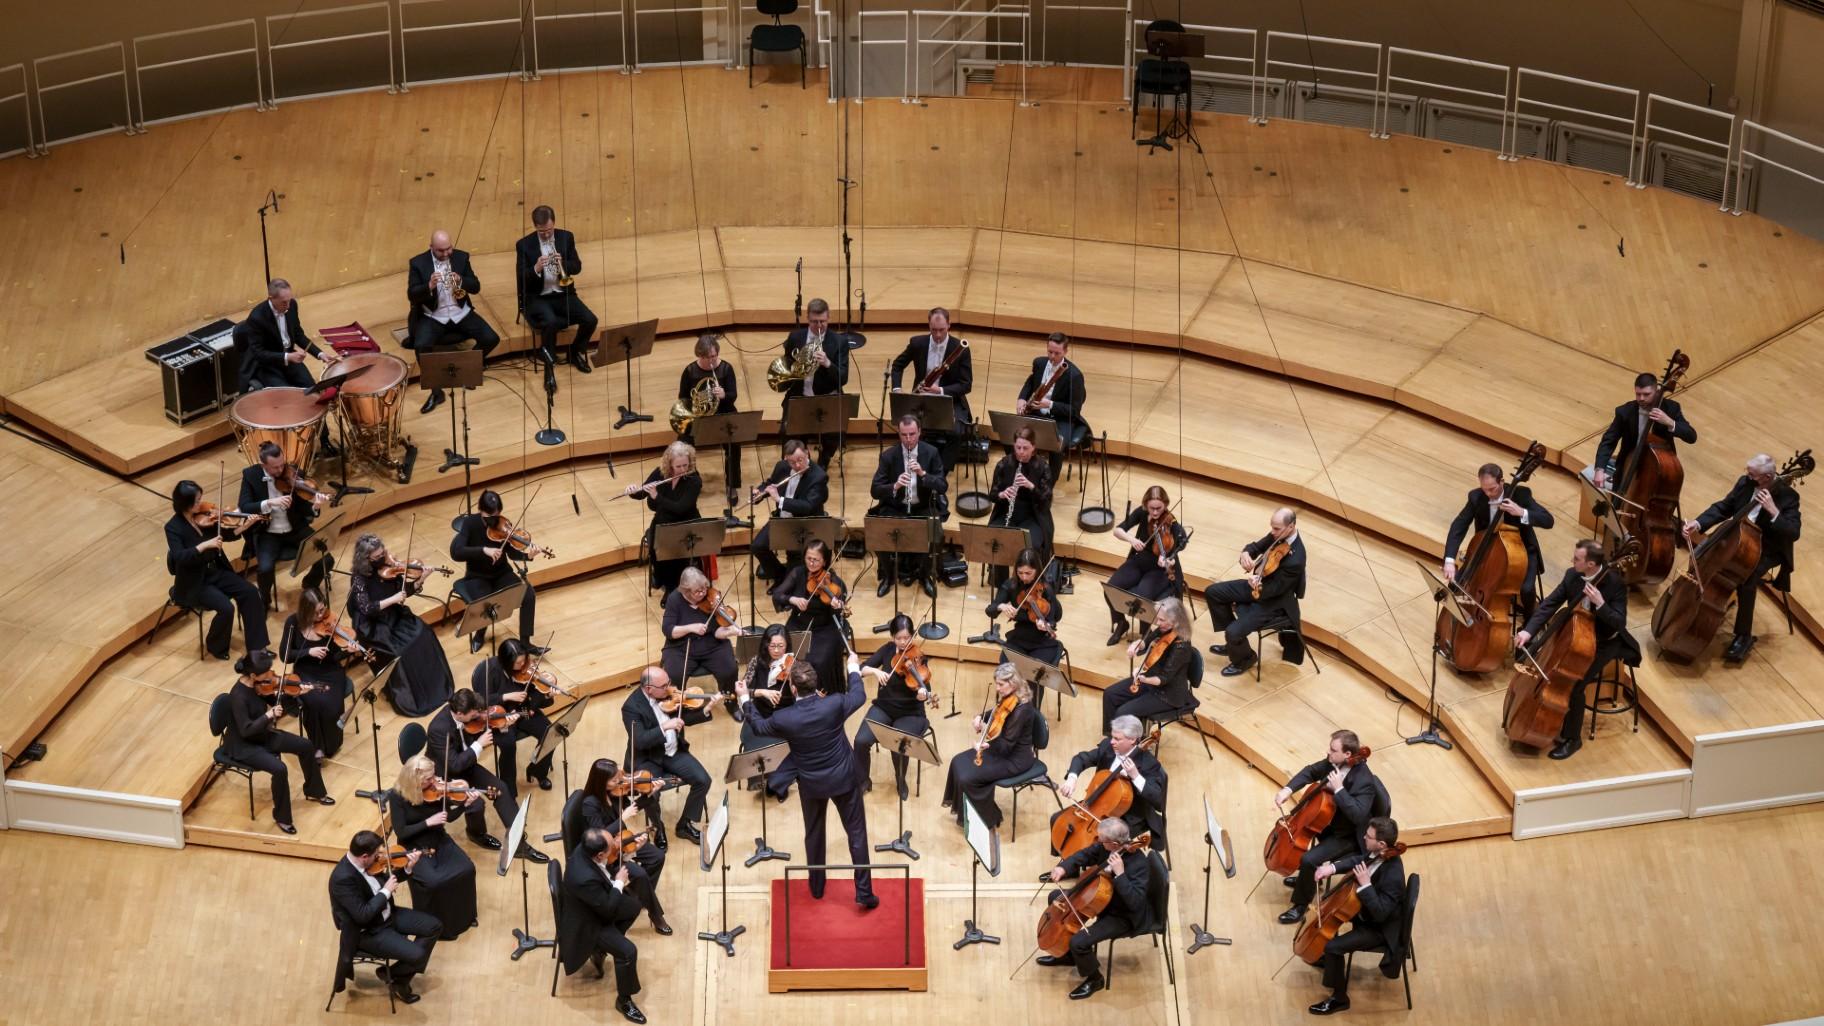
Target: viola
1490,576
295,484
1070,912
1298,830
393,857
458,791
677,699
995,724
1110,795
1038,607
496,718
1340,906
911,666
1539,695
641,783
412,570
1268,564
823,586
1154,652
502,533
208,514
1649,485
1165,543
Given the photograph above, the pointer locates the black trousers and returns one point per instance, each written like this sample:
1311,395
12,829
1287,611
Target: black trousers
731,461
271,549
222,593
1578,703
976,783
1117,700
550,314
532,723
778,782
1140,575
854,816
476,816
643,871
1327,849
1234,612
473,587
430,334
916,725
1083,943
1336,955
408,938
266,760
716,658
611,941
762,549
685,767
1745,596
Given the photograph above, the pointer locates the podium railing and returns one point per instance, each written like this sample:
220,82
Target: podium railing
617,12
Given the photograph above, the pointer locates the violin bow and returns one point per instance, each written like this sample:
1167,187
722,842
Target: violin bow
221,493
520,524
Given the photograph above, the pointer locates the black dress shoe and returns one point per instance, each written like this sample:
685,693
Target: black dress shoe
579,358
867,785
659,925
1053,959
476,640
488,841
658,835
1237,669
868,902
1738,648
544,783
288,828
405,995
1567,747
531,854
1330,1006
929,586
537,650
1088,987
689,833
321,799
629,1011
433,402
1221,650
886,585
1293,915
328,450
1291,881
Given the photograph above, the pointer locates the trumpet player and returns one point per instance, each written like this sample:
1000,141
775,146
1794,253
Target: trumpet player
795,488
546,262
706,388
438,284
829,362
1022,495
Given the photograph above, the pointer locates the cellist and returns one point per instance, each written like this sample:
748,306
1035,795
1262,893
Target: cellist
1518,510
1774,508
1380,884
1360,797
1266,594
1631,422
1128,915
1120,753
1608,604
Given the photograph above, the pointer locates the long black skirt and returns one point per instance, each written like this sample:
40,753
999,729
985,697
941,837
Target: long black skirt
443,885
422,684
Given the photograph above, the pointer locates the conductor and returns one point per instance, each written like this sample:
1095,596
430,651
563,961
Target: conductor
813,725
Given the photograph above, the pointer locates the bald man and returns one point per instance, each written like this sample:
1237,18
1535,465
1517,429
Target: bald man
440,319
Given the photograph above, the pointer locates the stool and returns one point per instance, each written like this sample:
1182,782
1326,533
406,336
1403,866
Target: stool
1623,695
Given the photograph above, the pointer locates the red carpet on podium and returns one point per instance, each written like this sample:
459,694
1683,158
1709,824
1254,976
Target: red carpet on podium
834,932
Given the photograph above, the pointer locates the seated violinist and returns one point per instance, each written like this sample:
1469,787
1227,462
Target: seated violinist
1268,594
598,909
456,740
602,804
1606,596
270,488
361,903
1772,506
1161,684
655,720
379,587
817,597
252,738
443,881
1379,880
508,680
1359,797
899,700
1034,607
201,576
1129,914
317,661
489,566
1121,753
768,678
698,627
1003,736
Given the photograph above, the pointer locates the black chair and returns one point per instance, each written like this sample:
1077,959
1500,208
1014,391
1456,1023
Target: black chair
1412,906
1282,626
1166,719
554,880
225,763
570,823
1158,895
1613,695
358,957
777,37
171,602
1163,77
1034,776
411,741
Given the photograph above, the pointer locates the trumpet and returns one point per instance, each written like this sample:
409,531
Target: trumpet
454,281
702,403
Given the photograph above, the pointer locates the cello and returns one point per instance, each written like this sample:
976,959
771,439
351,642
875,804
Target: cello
1539,695
1298,830
1110,797
1692,607
1070,912
1491,575
1648,486
1340,906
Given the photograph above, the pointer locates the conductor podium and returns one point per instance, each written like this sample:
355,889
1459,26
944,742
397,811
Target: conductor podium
829,943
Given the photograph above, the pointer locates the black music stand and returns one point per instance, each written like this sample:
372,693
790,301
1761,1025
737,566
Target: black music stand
690,539
523,940
734,429
807,415
370,693
1042,673
624,344
1445,594
1217,841
451,370
1044,430
985,848
991,546
715,832
558,737
488,610
935,413
922,747
908,535
316,544
1130,605
1167,53
743,767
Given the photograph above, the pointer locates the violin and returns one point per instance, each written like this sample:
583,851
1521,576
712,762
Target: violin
536,676
1070,912
1164,543
823,586
208,514
496,718
1036,605
1539,695
911,666
773,696
393,857
641,783
1154,652
993,727
458,791
412,570
1492,573
632,841
1298,830
720,613
1110,795
295,484
1649,485
329,628
1340,906
290,685
1268,564
502,533
691,700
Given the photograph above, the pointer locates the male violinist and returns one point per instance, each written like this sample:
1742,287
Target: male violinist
275,348
598,910
287,524
1235,608
1517,509
1120,753
1774,508
1633,420
1360,797
457,755
940,353
830,354
909,482
1379,880
1129,914
694,643
795,489
489,566
1607,600
362,907
656,742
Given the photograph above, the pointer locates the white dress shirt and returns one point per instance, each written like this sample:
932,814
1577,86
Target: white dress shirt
446,310
671,736
934,354
280,518
1114,766
284,328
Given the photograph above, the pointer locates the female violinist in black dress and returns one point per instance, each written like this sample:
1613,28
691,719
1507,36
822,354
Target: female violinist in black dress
1035,610
821,614
1163,687
899,702
1007,753
443,882
376,603
497,681
772,690
316,660
1146,572
671,492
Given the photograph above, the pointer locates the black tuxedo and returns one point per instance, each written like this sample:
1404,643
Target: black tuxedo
1477,514
551,313
583,811
447,745
595,920
1235,611
1067,397
825,767
1148,810
263,360
890,500
646,750
204,580
369,922
1130,914
1377,925
810,492
1777,537
426,333
1612,638
1624,431
1362,798
824,381
269,547
955,382
484,576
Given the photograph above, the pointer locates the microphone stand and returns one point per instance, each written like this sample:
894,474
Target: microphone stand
271,204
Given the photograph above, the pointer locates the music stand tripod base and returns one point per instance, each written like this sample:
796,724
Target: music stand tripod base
724,938
525,942
973,934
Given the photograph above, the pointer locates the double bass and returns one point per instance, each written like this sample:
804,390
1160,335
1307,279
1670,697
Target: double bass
1340,906
1070,912
1110,796
1298,830
1539,695
1693,606
1648,485
1490,576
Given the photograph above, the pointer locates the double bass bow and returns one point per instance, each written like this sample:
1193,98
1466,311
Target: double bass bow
1539,695
1648,487
1296,831
1488,579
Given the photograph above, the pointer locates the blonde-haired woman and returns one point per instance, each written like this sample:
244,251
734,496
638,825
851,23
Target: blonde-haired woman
671,492
443,882
1008,753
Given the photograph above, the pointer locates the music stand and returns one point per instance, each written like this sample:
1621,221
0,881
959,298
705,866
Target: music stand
454,369
922,747
732,429
991,546
688,539
1129,604
624,344
898,534
935,413
487,610
985,847
1444,593
806,415
369,693
1040,672
714,833
559,735
1165,49
1217,841
744,766
523,939
316,545
1044,430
